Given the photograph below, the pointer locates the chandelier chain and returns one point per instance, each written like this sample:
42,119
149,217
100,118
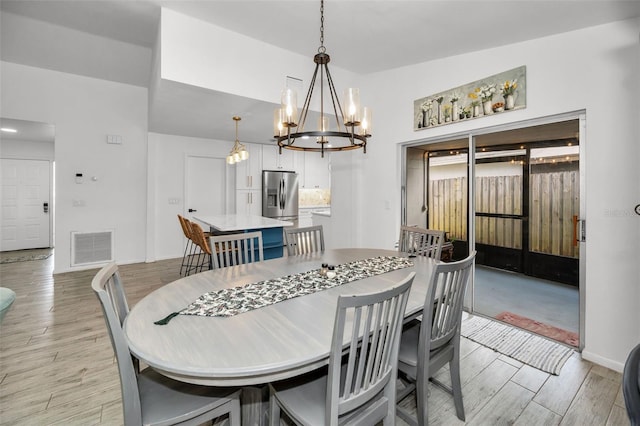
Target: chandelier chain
322,49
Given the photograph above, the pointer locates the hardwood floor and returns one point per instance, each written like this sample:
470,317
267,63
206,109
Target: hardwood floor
57,365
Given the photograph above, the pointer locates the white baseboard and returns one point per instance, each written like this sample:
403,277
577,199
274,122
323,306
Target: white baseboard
605,362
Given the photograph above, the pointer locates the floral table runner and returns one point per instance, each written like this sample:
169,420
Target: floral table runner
232,301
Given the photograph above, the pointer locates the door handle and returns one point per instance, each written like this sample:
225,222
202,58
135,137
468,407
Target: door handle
45,207
192,210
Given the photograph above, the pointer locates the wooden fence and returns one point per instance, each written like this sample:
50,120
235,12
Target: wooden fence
554,200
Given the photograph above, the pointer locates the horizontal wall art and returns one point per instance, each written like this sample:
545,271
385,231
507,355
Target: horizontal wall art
497,94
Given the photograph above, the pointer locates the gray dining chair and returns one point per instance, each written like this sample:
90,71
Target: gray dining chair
631,385
304,240
421,241
430,344
148,397
358,387
236,249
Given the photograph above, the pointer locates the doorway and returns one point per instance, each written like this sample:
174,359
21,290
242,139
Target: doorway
26,184
524,203
206,186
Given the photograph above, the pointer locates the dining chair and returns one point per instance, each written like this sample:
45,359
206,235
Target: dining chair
189,246
421,241
430,344
358,386
304,240
631,385
7,297
148,397
203,255
237,249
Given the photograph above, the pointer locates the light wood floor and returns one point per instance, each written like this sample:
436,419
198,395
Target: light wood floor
57,365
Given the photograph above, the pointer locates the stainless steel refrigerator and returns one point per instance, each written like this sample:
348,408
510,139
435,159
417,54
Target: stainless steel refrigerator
280,195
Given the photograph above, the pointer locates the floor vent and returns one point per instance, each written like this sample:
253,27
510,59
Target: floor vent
91,247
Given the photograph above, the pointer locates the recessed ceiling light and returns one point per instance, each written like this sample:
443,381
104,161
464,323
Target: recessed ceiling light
8,130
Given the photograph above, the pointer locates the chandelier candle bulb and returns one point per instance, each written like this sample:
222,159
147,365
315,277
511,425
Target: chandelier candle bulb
290,108
278,126
323,126
365,124
352,107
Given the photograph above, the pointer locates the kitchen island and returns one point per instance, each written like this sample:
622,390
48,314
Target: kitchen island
272,229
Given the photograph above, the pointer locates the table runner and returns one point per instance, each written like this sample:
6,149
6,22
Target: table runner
232,301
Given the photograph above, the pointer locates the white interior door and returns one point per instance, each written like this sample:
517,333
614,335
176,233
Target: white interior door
206,184
26,204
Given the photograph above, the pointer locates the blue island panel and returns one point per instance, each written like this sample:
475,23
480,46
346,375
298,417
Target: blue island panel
272,242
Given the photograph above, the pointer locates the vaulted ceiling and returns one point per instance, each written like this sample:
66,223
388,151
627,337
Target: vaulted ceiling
362,36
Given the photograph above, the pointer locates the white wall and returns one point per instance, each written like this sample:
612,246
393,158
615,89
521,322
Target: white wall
168,155
198,53
84,110
595,69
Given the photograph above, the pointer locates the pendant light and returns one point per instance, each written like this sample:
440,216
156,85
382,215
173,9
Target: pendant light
239,151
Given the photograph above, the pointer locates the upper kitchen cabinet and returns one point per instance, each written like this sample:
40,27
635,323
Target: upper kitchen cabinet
273,160
249,171
317,170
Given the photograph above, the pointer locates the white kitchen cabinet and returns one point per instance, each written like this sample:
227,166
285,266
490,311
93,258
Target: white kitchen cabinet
249,202
317,170
272,160
249,171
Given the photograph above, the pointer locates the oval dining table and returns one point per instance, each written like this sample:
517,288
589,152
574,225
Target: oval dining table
263,345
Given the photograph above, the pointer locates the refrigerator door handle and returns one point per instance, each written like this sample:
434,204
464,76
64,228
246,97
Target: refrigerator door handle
282,194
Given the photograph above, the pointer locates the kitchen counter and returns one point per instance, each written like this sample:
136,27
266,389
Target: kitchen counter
240,222
272,235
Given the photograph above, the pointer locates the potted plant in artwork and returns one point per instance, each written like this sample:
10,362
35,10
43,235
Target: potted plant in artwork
427,106
508,91
475,104
447,113
439,100
485,93
454,106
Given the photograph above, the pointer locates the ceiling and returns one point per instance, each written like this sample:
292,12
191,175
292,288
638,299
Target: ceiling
362,36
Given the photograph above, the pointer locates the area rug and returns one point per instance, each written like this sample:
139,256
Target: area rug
537,327
24,258
536,351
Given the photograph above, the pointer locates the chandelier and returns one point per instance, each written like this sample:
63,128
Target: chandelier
238,152
352,123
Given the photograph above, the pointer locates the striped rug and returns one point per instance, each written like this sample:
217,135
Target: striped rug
533,350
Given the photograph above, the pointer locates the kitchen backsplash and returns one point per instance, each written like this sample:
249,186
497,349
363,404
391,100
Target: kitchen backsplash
314,197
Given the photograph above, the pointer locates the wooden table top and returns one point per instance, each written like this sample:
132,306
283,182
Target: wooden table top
266,344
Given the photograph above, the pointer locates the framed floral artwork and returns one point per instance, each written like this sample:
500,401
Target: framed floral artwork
496,94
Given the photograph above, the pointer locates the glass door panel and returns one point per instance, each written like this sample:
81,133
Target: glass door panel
499,184
447,200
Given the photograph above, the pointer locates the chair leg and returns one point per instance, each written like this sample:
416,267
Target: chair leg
274,410
456,386
234,413
185,257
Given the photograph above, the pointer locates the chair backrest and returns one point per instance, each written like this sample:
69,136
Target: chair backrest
370,360
421,241
631,385
237,249
198,237
108,287
185,227
442,313
304,240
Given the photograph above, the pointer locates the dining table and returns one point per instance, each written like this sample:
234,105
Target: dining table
262,345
